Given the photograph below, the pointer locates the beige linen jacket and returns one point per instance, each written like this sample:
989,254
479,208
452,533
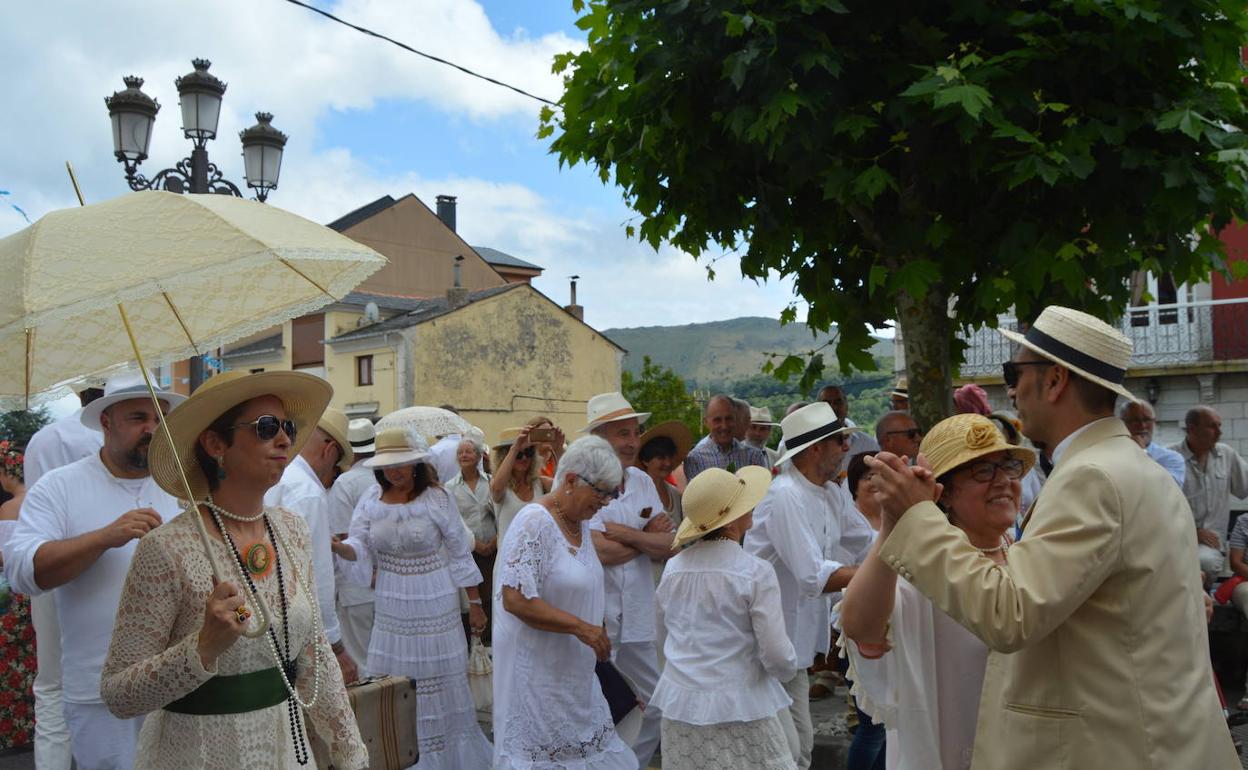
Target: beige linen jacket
1100,653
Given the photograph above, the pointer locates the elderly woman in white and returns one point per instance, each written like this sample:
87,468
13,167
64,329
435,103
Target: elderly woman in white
549,711
914,668
727,650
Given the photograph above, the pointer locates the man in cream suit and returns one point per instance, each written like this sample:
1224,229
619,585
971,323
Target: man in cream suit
1096,623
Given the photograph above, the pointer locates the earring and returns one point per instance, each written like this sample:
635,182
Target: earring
221,468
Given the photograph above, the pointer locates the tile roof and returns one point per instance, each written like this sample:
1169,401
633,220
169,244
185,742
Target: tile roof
496,257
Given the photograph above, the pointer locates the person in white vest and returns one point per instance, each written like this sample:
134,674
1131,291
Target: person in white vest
354,602
56,444
628,532
302,490
75,537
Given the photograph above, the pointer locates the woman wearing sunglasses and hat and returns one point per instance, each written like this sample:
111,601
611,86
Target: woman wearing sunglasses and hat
914,668
727,650
213,697
408,526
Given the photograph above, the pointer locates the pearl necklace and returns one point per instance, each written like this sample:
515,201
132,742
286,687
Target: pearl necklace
1003,547
216,509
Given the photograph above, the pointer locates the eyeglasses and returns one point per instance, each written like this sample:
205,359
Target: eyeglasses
987,470
911,433
267,427
608,494
1009,370
526,453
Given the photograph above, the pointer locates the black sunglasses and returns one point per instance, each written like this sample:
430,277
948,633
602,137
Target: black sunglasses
527,452
267,427
910,433
1010,370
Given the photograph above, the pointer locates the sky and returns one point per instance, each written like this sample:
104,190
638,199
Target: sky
365,119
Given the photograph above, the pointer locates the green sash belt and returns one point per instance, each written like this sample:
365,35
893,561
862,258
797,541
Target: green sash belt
233,694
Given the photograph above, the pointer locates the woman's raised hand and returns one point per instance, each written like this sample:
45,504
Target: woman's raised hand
225,619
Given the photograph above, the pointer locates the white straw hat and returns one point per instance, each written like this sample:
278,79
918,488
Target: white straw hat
716,498
610,407
123,387
398,446
1082,343
361,433
761,415
808,425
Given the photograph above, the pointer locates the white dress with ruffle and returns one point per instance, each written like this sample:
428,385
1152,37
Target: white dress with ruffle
549,711
423,556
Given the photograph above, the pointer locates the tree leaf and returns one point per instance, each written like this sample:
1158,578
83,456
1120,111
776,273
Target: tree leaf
971,97
872,182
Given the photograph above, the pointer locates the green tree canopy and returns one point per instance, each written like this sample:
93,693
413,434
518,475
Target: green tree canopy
936,163
660,391
18,426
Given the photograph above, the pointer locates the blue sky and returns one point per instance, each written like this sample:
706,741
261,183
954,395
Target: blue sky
365,119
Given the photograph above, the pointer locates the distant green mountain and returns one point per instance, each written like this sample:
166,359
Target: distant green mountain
722,352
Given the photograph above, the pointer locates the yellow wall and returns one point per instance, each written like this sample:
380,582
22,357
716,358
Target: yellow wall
517,343
340,366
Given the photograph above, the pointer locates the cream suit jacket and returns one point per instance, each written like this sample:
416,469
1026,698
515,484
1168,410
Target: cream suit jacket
1100,654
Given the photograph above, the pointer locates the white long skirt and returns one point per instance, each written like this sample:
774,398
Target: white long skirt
756,745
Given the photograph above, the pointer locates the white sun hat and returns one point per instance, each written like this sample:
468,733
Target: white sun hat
610,407
123,387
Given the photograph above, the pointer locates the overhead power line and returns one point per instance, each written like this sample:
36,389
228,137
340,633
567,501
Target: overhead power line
429,56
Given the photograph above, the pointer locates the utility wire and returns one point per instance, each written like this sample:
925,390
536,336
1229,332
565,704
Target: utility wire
431,57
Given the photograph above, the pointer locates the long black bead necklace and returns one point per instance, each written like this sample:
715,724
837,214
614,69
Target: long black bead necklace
289,665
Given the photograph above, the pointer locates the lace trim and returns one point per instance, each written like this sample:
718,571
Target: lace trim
421,564
418,626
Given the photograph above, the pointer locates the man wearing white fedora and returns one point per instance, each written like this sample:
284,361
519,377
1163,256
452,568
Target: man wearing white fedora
354,602
76,533
304,490
629,532
1099,653
759,433
798,528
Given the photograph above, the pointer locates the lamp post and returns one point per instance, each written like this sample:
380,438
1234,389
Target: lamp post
133,113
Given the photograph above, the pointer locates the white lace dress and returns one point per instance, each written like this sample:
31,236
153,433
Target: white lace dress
423,555
153,659
549,711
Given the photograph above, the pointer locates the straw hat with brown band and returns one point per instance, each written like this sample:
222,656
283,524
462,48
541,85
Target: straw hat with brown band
335,424
1082,343
610,407
675,430
398,446
716,498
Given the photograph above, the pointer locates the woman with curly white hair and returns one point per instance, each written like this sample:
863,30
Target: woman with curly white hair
549,711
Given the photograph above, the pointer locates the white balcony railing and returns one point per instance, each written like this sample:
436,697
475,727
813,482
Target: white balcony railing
1162,335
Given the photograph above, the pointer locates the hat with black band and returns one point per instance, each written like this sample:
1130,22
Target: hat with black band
1082,343
809,425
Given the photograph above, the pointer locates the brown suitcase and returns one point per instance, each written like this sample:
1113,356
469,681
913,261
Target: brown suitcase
385,710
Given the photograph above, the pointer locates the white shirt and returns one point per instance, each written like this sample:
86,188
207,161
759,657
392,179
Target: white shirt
630,586
726,649
796,529
442,457
58,444
67,502
343,496
1208,487
476,506
301,492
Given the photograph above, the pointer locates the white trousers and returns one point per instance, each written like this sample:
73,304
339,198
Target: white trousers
100,740
51,734
798,728
356,623
640,663
1211,560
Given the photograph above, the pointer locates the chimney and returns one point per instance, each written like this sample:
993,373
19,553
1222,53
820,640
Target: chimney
446,210
573,308
457,295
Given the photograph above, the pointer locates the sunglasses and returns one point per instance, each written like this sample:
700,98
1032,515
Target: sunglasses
267,427
987,470
605,494
1010,370
910,433
526,454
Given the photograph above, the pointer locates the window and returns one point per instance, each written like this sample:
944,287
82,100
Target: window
363,370
307,346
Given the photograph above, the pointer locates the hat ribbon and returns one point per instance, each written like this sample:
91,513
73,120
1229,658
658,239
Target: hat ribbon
813,435
1078,358
616,414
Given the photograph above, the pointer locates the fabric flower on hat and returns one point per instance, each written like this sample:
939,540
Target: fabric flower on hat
981,435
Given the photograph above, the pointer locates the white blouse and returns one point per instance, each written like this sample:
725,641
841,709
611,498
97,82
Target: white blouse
727,651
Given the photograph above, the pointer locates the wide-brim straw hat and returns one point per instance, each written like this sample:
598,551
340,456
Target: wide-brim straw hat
610,407
809,425
303,396
361,434
335,424
960,439
677,431
716,498
507,437
123,387
398,446
1082,343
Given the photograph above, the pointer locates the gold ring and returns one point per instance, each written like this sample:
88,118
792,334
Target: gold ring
242,613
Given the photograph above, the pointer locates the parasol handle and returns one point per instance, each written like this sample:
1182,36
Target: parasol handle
262,611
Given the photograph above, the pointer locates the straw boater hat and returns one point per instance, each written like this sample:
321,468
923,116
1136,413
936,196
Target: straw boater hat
810,424
123,387
716,498
303,396
361,433
677,431
398,446
335,424
962,438
1086,345
901,389
761,415
610,407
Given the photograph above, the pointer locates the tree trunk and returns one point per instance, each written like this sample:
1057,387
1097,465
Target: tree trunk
927,332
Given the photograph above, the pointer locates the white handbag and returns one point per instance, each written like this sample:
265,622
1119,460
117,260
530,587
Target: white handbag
481,675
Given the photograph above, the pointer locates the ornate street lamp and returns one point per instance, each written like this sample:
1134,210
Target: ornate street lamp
133,113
